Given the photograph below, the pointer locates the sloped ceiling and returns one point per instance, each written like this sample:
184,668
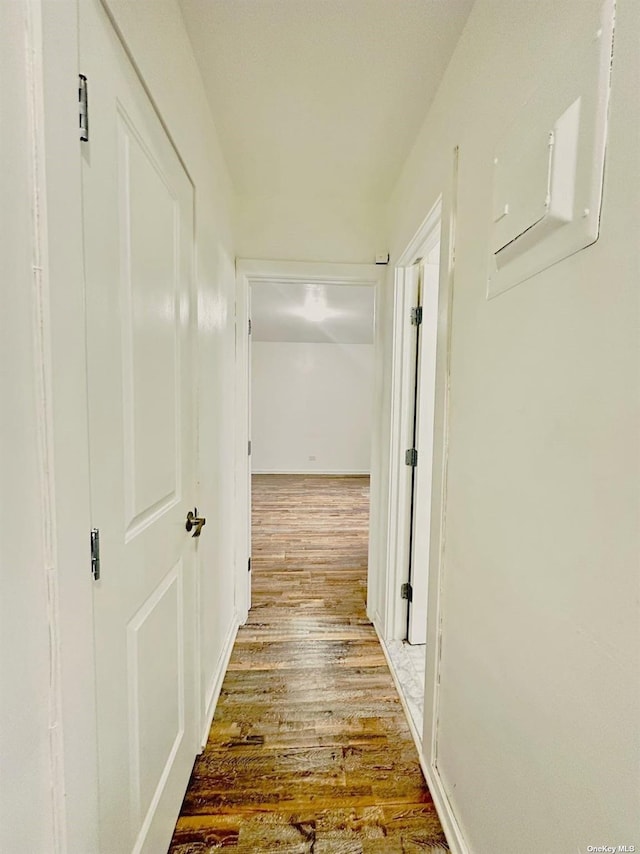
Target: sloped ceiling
321,97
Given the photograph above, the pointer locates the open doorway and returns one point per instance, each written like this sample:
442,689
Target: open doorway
313,375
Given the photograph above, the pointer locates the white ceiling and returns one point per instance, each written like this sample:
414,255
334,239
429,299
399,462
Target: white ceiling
316,313
321,97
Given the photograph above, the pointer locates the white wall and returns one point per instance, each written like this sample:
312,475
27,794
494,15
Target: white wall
311,400
314,228
538,745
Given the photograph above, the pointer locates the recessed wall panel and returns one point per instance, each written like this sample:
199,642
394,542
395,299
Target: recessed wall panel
150,362
156,690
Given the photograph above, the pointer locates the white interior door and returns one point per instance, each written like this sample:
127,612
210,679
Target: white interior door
423,473
138,232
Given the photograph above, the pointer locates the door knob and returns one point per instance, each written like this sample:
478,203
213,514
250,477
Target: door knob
195,521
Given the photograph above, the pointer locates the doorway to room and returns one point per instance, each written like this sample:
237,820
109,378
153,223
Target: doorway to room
307,363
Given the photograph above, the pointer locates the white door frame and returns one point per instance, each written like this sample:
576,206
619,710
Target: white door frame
70,582
250,272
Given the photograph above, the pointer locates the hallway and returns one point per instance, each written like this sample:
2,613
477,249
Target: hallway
309,749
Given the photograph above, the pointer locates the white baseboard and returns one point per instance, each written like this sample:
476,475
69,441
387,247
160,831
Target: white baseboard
448,820
319,472
376,620
450,826
215,686
377,625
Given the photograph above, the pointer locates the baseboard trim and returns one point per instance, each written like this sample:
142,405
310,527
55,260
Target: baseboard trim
448,820
213,693
320,473
376,620
450,826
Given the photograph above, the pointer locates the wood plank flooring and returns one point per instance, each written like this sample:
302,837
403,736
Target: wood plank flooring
309,751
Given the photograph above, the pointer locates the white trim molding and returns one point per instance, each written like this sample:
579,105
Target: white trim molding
215,686
319,473
61,158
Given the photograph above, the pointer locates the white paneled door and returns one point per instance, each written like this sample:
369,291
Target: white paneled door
138,233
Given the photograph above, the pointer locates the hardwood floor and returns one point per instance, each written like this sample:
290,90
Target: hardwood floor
309,751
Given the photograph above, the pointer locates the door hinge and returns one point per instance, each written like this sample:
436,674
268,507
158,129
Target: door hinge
411,457
249,565
416,315
249,326
83,105
406,591
249,448
95,553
